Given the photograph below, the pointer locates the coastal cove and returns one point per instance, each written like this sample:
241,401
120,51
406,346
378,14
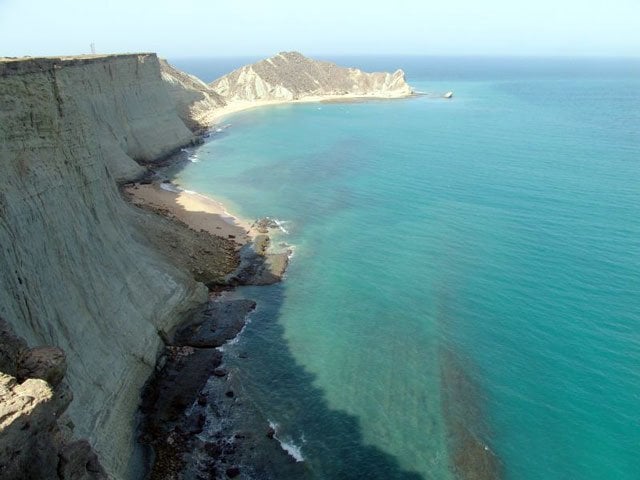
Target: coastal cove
112,281
363,278
439,269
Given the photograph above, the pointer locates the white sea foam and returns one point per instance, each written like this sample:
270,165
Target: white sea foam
236,339
170,187
294,451
290,249
281,225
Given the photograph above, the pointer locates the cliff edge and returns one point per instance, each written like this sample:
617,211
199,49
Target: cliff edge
290,76
121,98
76,270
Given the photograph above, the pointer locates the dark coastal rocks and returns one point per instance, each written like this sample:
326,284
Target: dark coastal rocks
264,224
259,268
176,401
47,363
170,392
79,461
178,384
233,472
219,323
11,348
35,436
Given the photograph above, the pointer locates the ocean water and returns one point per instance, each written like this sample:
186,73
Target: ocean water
464,294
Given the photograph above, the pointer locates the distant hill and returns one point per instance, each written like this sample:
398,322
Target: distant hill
291,76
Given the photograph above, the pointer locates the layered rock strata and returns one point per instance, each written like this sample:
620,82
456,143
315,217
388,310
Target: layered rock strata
174,400
120,98
76,267
291,76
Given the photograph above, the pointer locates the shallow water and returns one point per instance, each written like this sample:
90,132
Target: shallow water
463,270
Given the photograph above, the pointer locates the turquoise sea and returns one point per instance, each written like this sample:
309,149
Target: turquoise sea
464,294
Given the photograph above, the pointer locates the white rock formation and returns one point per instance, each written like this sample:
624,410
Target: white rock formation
195,100
120,97
74,270
291,76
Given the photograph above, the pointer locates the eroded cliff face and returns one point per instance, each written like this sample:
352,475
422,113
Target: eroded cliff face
119,97
292,76
75,270
195,100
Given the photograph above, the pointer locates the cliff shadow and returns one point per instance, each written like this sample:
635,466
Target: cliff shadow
330,441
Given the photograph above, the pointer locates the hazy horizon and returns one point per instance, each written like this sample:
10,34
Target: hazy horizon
198,29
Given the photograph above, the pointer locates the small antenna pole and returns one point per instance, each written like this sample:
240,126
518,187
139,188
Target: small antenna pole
93,48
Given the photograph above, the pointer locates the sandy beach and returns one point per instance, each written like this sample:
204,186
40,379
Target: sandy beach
216,116
197,211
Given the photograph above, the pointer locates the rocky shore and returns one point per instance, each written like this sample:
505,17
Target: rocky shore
184,425
195,417
108,263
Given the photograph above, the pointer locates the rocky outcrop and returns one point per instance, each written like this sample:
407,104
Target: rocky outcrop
35,436
76,271
195,101
120,98
291,76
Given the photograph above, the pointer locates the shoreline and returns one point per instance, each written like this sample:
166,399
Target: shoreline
258,263
220,114
469,456
197,211
191,386
137,269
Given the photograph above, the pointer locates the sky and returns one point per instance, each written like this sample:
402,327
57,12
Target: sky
214,28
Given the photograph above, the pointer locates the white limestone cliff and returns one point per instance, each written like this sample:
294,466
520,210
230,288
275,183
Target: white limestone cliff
290,76
75,271
122,96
